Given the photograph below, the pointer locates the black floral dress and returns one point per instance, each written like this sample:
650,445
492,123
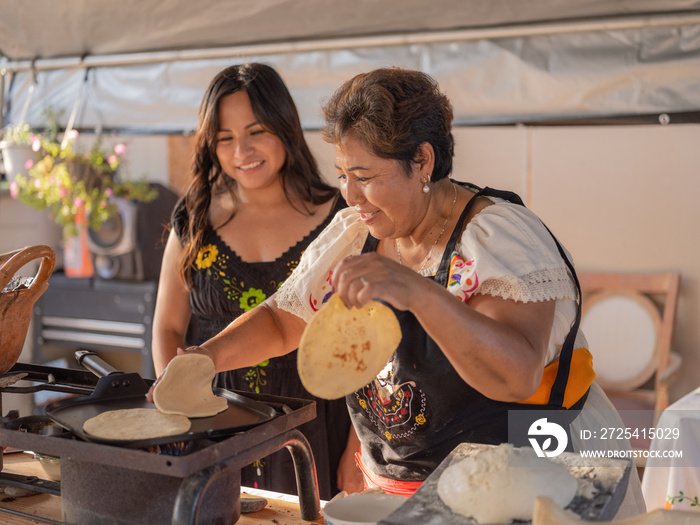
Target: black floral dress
226,287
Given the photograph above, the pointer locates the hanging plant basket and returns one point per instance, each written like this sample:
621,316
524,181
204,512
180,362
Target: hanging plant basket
15,158
79,188
90,176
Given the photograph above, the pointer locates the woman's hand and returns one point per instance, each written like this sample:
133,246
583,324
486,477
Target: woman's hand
180,351
350,477
196,350
359,279
497,346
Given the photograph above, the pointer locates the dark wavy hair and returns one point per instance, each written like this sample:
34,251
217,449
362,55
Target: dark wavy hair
392,111
275,110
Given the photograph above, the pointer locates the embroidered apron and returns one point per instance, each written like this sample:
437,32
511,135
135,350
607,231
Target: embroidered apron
419,409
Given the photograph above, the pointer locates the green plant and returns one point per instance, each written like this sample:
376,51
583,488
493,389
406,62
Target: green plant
20,134
79,188
681,497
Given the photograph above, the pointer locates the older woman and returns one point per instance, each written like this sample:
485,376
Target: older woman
485,296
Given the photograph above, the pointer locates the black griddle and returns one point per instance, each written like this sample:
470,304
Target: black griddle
117,390
194,482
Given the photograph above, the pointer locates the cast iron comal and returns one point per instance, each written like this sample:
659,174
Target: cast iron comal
185,483
118,390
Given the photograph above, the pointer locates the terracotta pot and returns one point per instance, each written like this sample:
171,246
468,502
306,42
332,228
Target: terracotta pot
16,306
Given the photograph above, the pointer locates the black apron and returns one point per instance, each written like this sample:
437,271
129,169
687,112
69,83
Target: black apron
419,408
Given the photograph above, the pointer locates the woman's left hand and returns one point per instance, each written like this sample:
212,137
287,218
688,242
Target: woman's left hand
362,278
180,351
349,475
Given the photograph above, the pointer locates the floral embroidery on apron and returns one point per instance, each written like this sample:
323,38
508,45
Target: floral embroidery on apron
396,410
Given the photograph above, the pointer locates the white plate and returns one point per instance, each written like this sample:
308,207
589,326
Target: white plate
361,509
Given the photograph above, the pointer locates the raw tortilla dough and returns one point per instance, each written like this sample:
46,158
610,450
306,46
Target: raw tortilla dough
501,483
185,388
136,423
341,349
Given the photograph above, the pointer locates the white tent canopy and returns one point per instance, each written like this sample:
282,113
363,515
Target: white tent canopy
143,66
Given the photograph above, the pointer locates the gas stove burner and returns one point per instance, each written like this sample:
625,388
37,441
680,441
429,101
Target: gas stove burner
181,448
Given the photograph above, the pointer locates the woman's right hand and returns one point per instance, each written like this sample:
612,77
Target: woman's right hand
362,278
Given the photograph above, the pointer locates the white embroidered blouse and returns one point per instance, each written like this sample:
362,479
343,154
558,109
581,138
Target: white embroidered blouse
504,251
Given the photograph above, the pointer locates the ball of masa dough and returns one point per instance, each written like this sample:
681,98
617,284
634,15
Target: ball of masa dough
500,484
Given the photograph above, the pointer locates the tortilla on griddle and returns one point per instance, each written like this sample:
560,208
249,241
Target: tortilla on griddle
343,349
185,387
136,423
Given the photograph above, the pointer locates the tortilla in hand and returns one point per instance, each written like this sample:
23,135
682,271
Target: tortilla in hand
343,349
185,387
135,424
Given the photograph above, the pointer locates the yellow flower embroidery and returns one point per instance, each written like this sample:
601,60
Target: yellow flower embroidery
256,376
207,256
252,298
363,404
420,419
259,465
388,435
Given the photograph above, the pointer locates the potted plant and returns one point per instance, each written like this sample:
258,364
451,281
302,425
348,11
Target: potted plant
80,189
20,150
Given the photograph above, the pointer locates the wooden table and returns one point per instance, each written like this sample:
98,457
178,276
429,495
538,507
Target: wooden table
49,507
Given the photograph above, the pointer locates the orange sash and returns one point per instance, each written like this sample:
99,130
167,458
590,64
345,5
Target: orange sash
581,375
390,486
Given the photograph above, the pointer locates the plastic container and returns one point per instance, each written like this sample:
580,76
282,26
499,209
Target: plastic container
51,465
361,509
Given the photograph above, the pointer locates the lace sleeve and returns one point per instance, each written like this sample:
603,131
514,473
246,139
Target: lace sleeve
507,252
309,285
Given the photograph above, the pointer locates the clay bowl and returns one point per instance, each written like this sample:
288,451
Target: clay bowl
16,306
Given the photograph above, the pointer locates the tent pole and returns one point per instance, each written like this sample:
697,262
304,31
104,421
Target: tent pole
3,73
516,31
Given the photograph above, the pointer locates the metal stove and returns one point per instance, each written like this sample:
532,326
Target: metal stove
199,483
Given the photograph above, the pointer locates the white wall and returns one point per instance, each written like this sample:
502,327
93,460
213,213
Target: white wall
626,199
146,156
22,226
